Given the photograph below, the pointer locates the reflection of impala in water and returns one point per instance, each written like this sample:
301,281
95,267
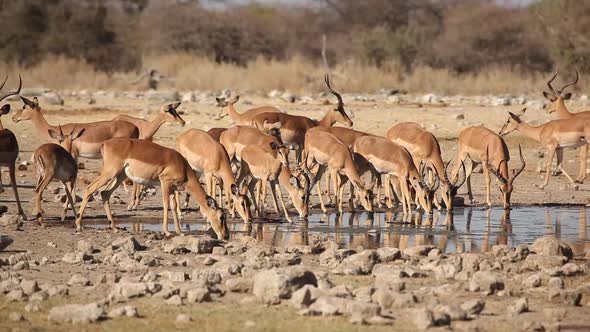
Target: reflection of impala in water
581,244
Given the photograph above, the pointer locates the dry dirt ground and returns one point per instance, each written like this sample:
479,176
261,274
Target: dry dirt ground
435,285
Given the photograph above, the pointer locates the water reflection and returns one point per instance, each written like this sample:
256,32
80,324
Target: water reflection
465,230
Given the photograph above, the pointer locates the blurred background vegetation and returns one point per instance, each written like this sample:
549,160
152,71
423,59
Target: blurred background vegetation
392,37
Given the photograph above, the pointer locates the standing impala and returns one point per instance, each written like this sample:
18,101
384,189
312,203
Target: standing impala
557,105
236,138
423,146
483,145
96,133
392,159
147,129
294,127
148,163
555,135
227,108
54,161
330,153
206,155
9,146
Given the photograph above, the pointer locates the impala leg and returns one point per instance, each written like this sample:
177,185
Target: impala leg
277,187
106,196
273,194
165,204
187,198
263,193
330,180
12,170
259,199
559,152
583,163
352,201
1,185
174,209
340,181
177,204
552,150
468,172
488,179
251,185
71,200
133,196
406,199
41,186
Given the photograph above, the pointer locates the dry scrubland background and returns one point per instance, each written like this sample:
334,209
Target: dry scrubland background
447,46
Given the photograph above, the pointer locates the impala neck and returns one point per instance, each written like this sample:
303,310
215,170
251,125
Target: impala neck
153,126
530,131
285,179
328,120
562,110
233,114
351,172
227,177
42,125
193,186
1,125
439,167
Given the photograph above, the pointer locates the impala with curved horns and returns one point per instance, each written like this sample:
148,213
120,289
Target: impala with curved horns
481,144
294,127
9,145
557,105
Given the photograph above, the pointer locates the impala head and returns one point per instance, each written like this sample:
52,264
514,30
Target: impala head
65,140
506,185
425,189
512,123
557,98
282,152
30,107
241,203
216,217
338,113
170,114
10,93
450,188
223,104
298,195
364,195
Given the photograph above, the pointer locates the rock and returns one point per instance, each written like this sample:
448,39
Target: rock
532,281
32,307
52,244
453,312
459,116
521,305
52,98
239,285
571,269
486,282
549,246
85,247
5,241
386,254
9,220
29,287
555,283
183,244
129,290
176,276
571,297
183,318
16,317
304,297
333,257
212,277
534,262
418,251
39,296
58,290
423,318
445,271
189,97
175,300
219,251
15,295
404,300
17,258
361,263
331,305
273,285
470,262
162,95
76,313
473,307
76,258
128,244
23,265
383,296
127,311
198,295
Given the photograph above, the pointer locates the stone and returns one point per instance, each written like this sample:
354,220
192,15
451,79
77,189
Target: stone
357,264
129,290
331,305
52,98
183,244
239,285
175,300
15,295
555,283
127,311
534,262
271,286
418,251
486,282
571,269
22,265
423,318
85,247
9,220
58,290
78,280
198,295
76,313
470,262
162,95
32,307
532,281
219,251
380,320
383,296
16,317
29,286
521,305
128,244
404,300
473,307
17,258
452,311
550,246
571,297
183,318
387,254
445,271
76,258
304,297
333,257
5,241
39,296
211,276
176,276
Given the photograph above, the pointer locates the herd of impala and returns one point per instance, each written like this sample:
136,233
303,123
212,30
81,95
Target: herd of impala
243,159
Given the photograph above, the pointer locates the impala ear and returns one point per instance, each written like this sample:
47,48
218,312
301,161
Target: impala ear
211,202
234,100
78,134
54,134
221,102
548,95
234,190
514,117
567,96
30,103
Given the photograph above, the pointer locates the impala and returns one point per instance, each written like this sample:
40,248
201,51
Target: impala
206,155
216,133
483,145
95,133
147,129
148,163
294,127
555,135
227,108
9,146
236,138
423,146
557,105
54,161
394,160
267,168
330,153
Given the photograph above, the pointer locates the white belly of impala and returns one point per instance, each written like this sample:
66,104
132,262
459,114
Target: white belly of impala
91,155
138,180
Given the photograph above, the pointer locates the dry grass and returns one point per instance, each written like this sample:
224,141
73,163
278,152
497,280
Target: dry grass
297,75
